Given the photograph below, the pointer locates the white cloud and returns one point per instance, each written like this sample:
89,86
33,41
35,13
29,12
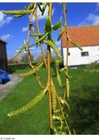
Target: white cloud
4,19
92,19
24,29
40,16
6,37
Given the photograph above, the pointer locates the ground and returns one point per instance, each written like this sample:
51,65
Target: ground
5,88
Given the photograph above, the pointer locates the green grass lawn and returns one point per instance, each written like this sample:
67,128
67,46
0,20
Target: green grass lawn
36,119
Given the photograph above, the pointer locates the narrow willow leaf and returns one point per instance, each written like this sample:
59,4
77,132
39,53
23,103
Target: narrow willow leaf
61,32
35,69
30,104
20,50
74,131
48,25
54,93
18,12
57,111
52,40
62,69
54,129
60,127
37,35
68,76
44,7
68,88
57,25
58,118
31,5
54,69
59,79
62,133
39,5
39,40
64,102
53,46
58,60
74,43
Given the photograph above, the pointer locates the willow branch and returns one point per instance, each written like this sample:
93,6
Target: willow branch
37,26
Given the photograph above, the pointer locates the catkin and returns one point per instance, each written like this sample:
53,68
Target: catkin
30,104
35,69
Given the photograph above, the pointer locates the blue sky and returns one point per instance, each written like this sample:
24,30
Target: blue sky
14,30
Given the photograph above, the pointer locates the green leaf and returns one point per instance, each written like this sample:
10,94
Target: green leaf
57,25
63,133
74,131
57,111
62,69
68,88
61,32
54,128
58,118
39,40
53,46
44,7
39,5
64,102
58,60
48,25
20,50
75,44
68,76
31,5
38,35
59,79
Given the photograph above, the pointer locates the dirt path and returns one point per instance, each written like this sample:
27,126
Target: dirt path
4,89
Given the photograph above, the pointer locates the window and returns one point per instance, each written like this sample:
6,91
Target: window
84,53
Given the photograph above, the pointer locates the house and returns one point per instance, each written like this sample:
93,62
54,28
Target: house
88,38
3,56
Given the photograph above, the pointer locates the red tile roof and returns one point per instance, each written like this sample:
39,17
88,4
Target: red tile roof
83,35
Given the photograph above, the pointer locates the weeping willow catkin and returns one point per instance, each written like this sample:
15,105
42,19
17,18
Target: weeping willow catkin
54,93
30,104
35,69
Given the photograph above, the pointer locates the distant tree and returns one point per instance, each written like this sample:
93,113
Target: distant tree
24,57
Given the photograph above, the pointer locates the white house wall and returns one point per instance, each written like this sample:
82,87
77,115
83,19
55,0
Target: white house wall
75,57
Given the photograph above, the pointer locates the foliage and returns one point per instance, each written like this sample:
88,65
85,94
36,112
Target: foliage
24,58
56,102
84,114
